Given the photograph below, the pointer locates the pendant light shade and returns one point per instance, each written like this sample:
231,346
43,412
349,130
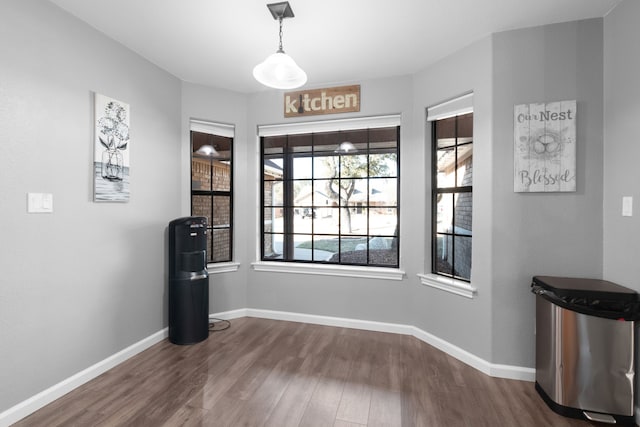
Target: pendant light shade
279,70
208,151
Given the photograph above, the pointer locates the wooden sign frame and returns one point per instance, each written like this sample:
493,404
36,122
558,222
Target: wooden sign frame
333,100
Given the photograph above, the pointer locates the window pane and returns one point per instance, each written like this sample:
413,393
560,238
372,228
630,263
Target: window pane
444,255
273,193
382,138
221,211
352,222
200,174
326,220
326,142
353,166
464,172
300,143
302,247
273,168
303,193
463,208
201,206
273,220
462,261
383,221
302,167
353,250
303,222
221,245
383,251
268,220
221,176
446,163
446,132
325,167
325,247
465,128
273,246
274,144
383,165
383,192
444,213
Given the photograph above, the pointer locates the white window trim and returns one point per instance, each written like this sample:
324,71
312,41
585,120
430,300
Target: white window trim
448,284
212,128
453,107
365,272
222,267
370,122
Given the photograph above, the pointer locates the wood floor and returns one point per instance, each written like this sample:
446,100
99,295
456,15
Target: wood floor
275,373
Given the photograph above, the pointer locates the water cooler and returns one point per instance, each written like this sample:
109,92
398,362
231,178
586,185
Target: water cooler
188,281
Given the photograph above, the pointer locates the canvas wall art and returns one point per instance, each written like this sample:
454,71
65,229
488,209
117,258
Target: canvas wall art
111,150
545,147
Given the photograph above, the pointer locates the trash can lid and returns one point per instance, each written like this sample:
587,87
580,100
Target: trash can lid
572,287
589,296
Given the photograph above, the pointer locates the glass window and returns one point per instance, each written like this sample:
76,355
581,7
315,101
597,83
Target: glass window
211,191
331,197
452,196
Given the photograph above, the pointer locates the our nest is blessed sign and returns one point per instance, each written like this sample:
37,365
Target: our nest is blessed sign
545,147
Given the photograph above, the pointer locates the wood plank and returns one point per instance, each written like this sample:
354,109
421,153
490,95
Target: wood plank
285,374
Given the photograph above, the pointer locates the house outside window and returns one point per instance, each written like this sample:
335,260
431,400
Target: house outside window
331,196
212,186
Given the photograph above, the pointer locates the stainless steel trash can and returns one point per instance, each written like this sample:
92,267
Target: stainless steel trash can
585,351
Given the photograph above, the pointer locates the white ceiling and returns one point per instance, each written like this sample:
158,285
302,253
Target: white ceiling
217,43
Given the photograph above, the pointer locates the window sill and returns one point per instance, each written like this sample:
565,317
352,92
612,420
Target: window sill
222,267
448,284
330,270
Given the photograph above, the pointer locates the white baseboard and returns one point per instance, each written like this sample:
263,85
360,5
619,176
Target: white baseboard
29,406
47,396
492,369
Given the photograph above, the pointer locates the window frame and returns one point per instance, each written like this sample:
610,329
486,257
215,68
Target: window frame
219,130
455,189
339,267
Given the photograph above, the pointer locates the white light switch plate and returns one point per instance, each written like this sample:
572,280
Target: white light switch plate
627,206
39,202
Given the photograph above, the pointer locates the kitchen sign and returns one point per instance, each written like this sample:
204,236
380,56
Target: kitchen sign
342,99
544,137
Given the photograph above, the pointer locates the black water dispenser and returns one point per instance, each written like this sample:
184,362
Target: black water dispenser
188,281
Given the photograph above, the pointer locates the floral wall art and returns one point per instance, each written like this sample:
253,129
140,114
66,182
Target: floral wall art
111,150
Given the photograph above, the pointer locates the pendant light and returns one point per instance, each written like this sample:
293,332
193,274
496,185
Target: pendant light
207,151
279,70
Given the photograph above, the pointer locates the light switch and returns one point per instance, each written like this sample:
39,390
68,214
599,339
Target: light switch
39,202
627,206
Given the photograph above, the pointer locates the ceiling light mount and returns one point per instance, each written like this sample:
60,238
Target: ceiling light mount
279,70
281,10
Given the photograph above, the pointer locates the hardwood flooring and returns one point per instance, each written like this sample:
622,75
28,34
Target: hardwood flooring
274,373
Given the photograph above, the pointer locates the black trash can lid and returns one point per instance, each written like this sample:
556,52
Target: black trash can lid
572,287
590,296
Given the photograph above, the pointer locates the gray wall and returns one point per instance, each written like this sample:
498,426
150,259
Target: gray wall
378,300
460,321
537,233
88,280
622,150
228,291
